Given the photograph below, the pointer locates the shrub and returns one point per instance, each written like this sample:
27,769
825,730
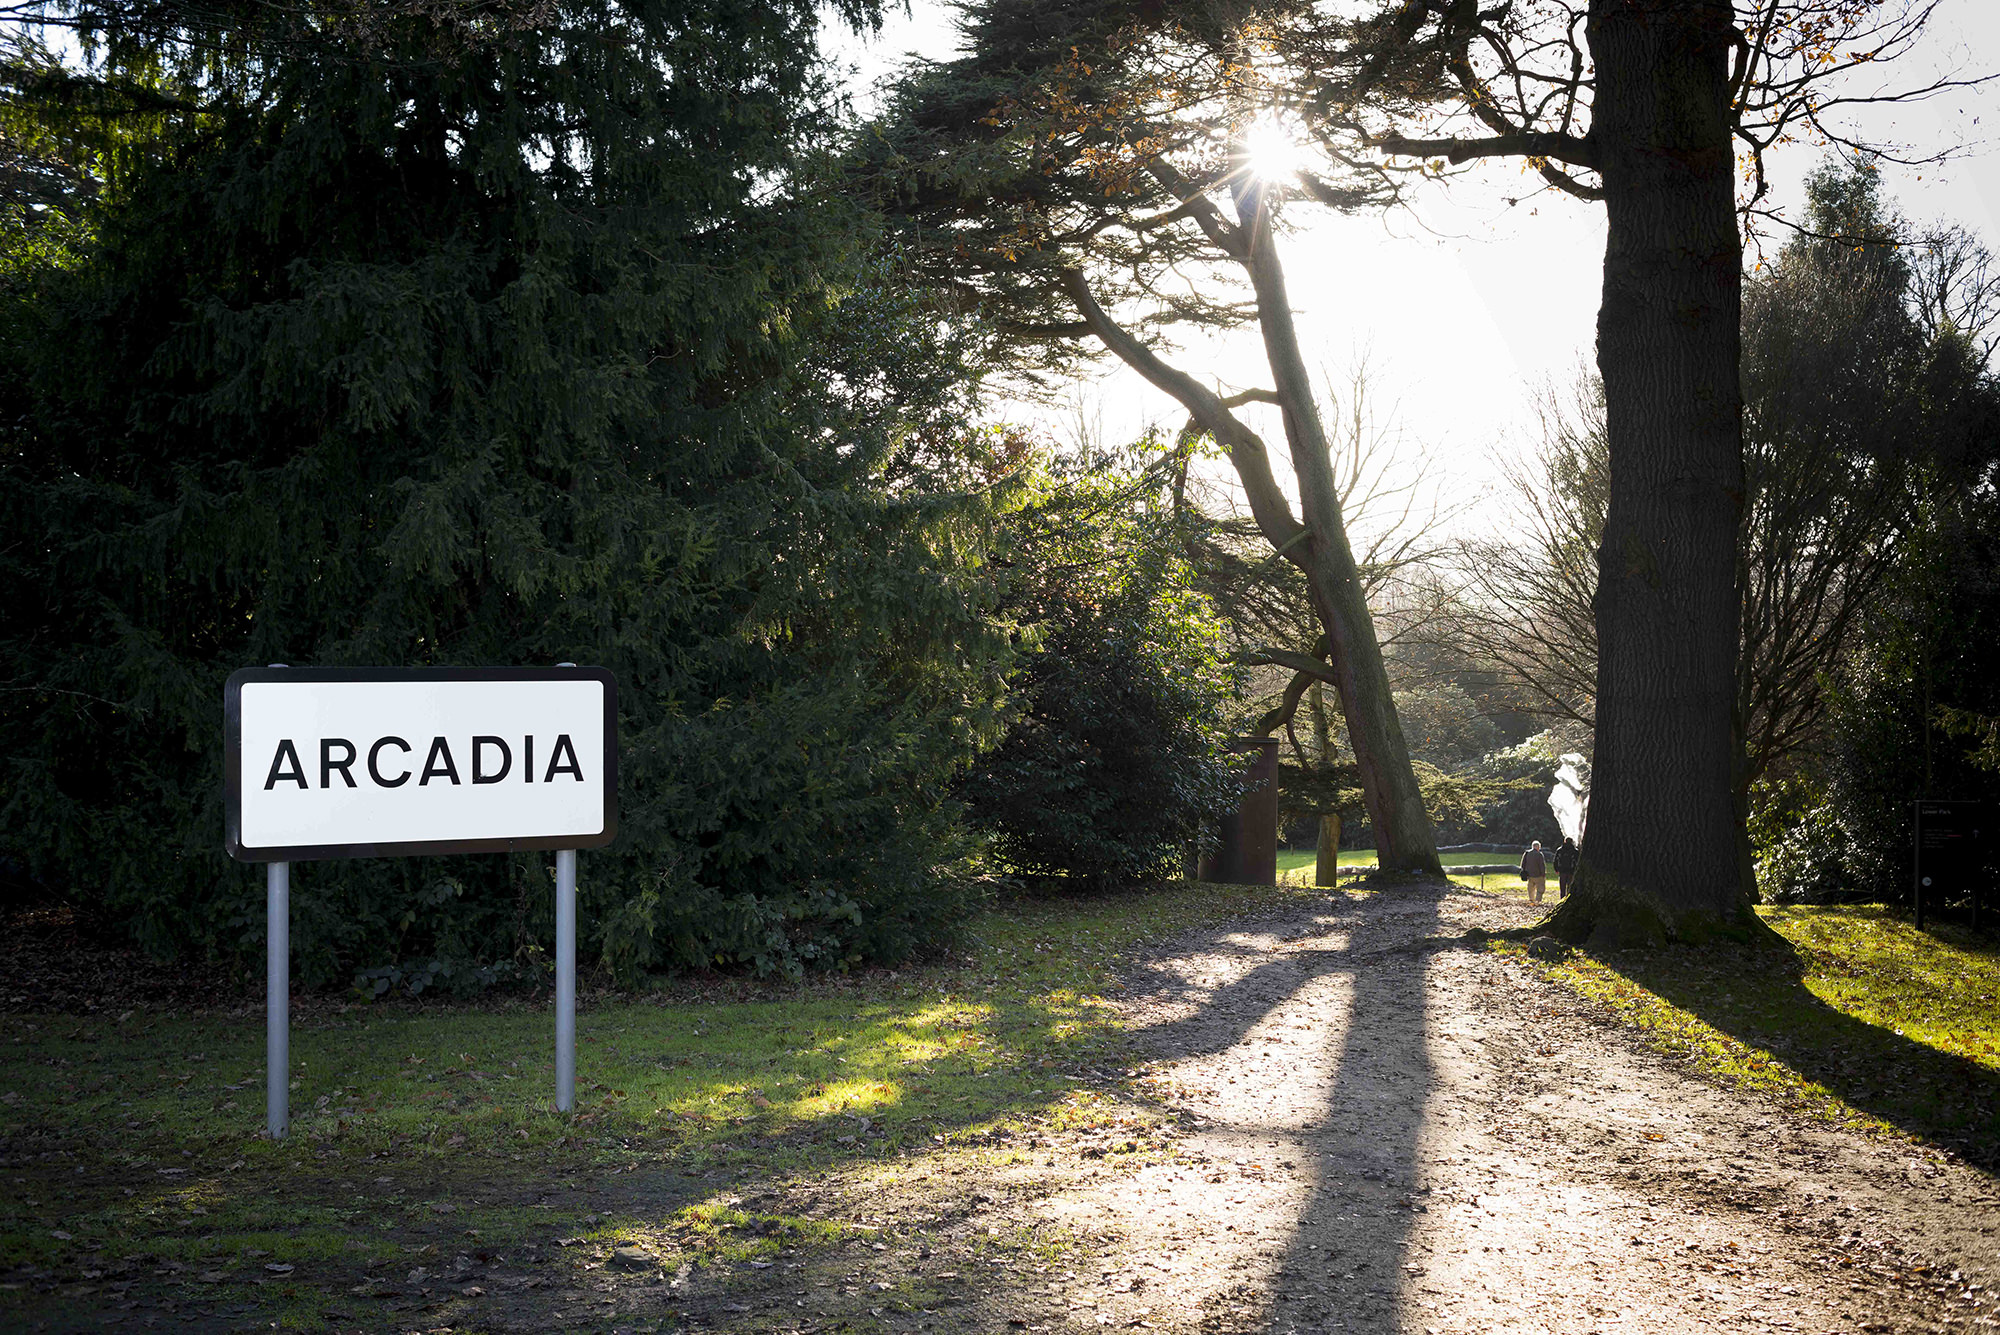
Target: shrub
1123,696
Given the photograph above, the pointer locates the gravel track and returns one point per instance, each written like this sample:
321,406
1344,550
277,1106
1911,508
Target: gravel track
1393,1131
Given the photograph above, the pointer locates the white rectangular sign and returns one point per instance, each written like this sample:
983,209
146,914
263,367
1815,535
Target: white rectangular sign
328,763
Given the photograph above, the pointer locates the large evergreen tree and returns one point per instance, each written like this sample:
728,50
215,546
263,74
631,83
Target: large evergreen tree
508,335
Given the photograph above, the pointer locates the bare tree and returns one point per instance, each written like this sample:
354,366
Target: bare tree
1523,601
1955,286
1390,498
1853,394
1820,528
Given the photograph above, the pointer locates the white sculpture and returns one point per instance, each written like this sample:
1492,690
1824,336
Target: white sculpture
1570,798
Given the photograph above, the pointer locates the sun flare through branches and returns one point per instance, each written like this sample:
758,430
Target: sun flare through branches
1272,150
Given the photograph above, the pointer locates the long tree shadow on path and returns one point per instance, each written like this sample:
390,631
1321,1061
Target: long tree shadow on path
1348,1261
1338,1257
1761,1000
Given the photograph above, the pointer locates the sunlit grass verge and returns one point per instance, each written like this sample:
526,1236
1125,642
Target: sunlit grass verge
141,1135
1296,867
1878,1025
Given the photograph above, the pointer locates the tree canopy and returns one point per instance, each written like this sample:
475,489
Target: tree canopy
1116,763
502,336
1642,105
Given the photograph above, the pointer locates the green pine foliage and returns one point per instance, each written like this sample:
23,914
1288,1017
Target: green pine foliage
1929,652
1125,695
527,337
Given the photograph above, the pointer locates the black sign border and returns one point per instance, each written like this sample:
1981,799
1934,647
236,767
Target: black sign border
232,762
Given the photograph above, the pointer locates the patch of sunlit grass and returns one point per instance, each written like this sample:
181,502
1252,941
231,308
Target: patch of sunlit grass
714,1232
1686,1035
1939,987
1297,867
163,1113
1874,1024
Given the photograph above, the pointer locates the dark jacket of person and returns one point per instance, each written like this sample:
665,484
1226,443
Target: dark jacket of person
1566,858
1532,863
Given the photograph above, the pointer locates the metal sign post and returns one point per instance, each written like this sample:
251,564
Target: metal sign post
277,997
340,763
565,980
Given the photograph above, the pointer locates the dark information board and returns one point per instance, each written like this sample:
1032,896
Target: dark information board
1954,846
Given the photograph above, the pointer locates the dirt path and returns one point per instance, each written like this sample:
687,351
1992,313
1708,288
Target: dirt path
1399,1135
1385,1129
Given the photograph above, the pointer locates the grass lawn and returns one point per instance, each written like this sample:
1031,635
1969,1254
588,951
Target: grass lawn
1295,859
136,1140
1297,865
1875,1023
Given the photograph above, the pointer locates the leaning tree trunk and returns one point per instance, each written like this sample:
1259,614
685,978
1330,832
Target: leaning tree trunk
1404,837
1664,857
1316,543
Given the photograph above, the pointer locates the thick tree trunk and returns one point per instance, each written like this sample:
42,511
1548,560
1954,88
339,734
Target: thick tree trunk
1665,855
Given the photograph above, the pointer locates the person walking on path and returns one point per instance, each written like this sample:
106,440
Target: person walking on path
1566,859
1535,871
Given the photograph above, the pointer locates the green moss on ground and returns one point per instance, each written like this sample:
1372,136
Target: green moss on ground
1875,1024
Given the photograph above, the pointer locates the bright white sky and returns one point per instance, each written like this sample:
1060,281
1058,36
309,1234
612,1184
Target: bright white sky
1461,325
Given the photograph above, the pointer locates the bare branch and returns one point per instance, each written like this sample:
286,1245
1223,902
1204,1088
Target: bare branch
1288,705
1241,397
1532,144
1303,664
1246,448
